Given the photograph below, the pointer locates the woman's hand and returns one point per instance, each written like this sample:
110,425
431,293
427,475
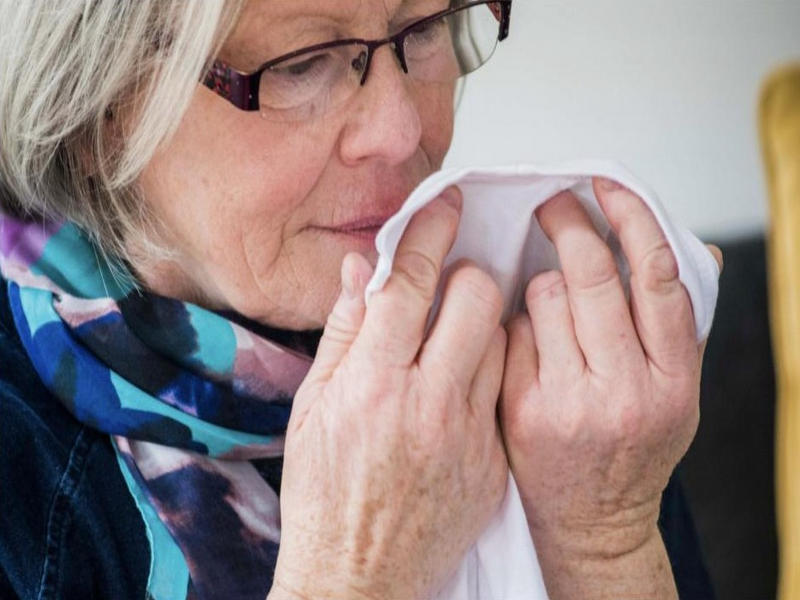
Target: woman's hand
600,399
394,461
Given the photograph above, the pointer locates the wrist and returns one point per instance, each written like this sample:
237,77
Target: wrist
316,574
317,587
614,564
302,573
279,591
601,537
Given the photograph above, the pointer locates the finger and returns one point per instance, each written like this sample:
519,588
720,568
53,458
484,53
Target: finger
395,322
660,305
701,350
346,318
600,310
468,318
557,349
521,371
717,254
485,388
522,360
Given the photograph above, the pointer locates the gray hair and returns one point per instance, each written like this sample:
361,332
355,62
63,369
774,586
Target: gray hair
89,89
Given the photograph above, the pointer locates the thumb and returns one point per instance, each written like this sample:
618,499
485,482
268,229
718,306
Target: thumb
345,319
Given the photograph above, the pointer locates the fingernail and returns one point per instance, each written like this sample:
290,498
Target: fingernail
452,196
609,185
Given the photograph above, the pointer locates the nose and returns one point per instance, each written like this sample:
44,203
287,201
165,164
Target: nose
384,121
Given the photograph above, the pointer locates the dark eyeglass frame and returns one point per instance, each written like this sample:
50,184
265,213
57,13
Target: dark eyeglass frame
241,89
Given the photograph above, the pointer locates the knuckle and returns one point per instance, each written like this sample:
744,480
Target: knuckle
547,285
420,271
391,349
447,213
374,392
659,268
338,326
628,424
436,419
685,399
574,429
449,391
478,285
597,270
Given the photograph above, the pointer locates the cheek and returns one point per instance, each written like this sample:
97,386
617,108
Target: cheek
227,194
234,194
436,115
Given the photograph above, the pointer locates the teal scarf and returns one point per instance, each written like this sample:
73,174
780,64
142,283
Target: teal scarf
196,403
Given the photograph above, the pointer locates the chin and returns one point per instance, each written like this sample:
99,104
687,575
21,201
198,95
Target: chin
309,311
290,321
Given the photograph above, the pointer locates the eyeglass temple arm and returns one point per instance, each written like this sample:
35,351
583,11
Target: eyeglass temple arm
505,20
240,89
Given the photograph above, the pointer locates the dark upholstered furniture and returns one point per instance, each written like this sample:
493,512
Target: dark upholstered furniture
728,471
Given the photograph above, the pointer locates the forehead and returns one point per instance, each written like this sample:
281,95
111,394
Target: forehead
269,27
282,11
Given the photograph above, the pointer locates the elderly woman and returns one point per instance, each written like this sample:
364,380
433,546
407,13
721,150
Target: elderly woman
191,191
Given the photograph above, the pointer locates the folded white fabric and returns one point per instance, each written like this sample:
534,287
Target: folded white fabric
499,232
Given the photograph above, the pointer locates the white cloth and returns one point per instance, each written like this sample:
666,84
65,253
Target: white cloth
499,231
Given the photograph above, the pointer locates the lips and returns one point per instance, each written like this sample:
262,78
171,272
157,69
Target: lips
361,216
365,225
363,210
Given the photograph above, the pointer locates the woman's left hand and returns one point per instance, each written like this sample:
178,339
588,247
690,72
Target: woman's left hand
600,396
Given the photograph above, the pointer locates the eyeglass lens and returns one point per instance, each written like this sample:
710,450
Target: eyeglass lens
435,50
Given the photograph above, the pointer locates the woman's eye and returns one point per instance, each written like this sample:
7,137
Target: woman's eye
300,80
427,33
306,66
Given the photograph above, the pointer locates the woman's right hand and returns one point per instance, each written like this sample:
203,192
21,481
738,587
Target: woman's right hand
394,462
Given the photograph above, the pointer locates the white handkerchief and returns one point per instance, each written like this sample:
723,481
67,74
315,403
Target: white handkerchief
499,232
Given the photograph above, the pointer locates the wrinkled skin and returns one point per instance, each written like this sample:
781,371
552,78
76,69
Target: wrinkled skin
397,430
394,457
600,397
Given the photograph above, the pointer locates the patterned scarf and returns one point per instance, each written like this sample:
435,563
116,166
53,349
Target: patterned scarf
196,403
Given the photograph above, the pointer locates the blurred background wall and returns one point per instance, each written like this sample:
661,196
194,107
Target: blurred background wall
670,88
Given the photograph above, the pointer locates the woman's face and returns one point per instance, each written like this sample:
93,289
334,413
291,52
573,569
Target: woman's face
260,214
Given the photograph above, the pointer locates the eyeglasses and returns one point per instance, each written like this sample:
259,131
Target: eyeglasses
310,82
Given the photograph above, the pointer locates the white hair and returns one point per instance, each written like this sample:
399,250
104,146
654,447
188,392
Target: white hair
88,91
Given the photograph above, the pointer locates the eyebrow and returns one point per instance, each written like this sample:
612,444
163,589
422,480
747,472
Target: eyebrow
305,23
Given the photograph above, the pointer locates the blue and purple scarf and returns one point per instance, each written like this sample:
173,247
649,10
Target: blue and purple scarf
196,404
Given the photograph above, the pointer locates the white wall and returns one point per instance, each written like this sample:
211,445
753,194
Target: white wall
669,87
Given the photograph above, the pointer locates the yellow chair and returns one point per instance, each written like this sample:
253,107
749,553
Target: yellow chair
780,141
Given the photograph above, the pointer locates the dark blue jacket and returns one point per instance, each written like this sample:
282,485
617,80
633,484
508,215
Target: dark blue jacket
70,528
